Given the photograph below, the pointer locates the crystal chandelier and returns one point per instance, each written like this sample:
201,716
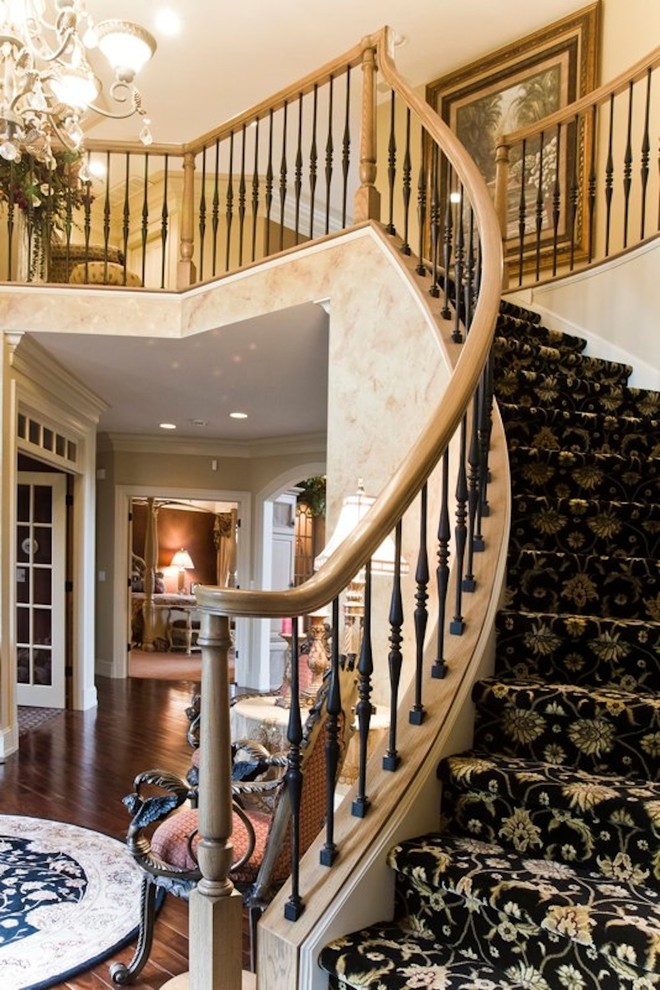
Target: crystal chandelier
46,81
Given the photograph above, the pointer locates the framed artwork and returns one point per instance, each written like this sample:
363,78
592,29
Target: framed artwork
517,86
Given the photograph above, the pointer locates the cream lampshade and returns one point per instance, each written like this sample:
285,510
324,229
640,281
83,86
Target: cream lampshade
183,561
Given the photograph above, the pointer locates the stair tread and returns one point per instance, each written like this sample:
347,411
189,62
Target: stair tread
538,387
587,474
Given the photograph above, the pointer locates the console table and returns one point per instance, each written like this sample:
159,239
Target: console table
174,619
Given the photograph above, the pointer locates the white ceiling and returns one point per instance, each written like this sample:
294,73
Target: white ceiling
228,57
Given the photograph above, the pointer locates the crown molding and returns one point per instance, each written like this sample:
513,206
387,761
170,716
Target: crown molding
33,362
135,443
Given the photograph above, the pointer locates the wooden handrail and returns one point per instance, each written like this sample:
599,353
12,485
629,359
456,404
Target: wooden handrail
595,97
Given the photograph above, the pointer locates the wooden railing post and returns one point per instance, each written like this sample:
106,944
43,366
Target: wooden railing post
501,198
186,274
215,905
366,205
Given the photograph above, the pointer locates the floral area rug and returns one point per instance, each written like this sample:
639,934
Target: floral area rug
68,898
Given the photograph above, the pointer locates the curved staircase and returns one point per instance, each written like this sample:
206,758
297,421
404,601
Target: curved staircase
545,870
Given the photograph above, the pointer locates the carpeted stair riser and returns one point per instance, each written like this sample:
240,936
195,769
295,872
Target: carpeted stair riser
623,529
530,356
614,587
560,429
586,650
553,812
533,388
514,327
576,474
555,905
599,730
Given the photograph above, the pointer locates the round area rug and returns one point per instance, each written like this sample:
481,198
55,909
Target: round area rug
68,898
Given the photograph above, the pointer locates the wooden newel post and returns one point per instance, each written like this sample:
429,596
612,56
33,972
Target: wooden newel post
366,205
151,563
502,198
215,906
186,273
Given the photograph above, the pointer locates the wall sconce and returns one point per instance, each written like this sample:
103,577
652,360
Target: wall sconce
183,561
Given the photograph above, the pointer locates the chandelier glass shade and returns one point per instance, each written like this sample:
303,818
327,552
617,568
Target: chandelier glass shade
47,82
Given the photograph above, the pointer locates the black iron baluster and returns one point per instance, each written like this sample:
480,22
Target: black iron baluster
241,199
627,167
439,668
459,260
283,173
87,221
485,428
333,708
329,154
392,759
215,209
106,217
11,211
645,154
346,148
164,220
539,207
457,625
294,906
420,268
591,185
255,190
609,179
556,202
573,199
145,218
364,708
391,166
126,216
435,222
447,247
229,201
202,216
469,582
298,169
468,288
522,212
406,188
269,179
416,714
313,162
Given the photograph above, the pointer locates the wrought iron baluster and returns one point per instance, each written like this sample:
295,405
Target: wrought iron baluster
645,155
392,759
459,261
215,209
333,708
391,165
11,212
406,188
268,193
435,222
457,625
294,906
346,148
609,180
106,217
439,668
574,193
255,190
229,201
416,714
469,582
627,167
556,202
329,154
447,247
241,199
202,216
298,168
284,172
485,428
145,218
591,186
313,162
468,286
164,222
420,268
539,207
364,708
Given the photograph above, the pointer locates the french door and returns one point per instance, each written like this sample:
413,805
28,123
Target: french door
40,591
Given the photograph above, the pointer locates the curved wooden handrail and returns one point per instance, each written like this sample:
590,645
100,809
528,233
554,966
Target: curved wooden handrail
404,485
595,97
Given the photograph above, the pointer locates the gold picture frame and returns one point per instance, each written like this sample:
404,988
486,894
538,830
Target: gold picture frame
516,86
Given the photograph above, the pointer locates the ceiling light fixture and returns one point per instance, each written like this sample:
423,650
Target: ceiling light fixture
46,81
238,415
167,426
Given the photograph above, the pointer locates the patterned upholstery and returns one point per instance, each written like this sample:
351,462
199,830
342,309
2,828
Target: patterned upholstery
103,273
63,259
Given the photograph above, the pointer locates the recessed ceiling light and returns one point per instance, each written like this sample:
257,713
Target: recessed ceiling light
168,23
238,415
167,426
199,422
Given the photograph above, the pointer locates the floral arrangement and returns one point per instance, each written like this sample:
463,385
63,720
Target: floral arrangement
47,194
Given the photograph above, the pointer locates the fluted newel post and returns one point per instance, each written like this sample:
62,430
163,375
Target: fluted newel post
366,205
502,196
186,274
215,906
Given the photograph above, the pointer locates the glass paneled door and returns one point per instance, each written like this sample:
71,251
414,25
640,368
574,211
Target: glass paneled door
40,595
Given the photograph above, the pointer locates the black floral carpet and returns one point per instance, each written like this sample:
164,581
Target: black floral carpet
545,869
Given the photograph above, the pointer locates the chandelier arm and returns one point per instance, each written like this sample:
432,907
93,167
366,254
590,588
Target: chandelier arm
50,56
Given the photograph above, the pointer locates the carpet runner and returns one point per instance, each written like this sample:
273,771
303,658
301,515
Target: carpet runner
545,870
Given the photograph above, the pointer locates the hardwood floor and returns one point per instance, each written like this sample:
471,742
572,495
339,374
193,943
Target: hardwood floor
77,767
